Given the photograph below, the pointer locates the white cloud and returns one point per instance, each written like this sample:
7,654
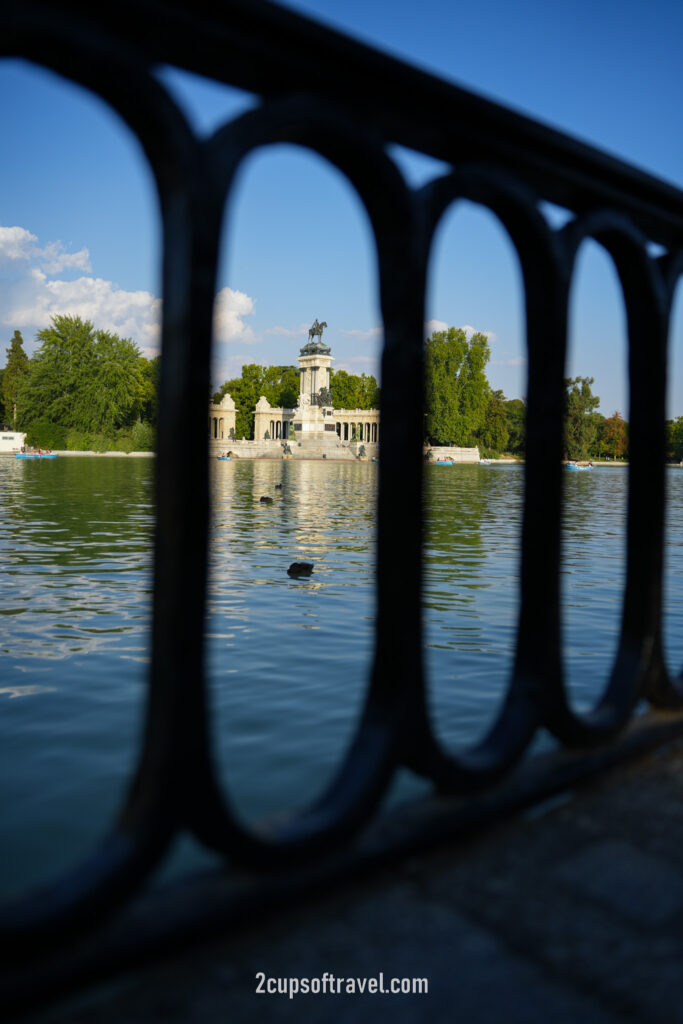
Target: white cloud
29,298
32,301
441,325
16,244
56,259
435,325
229,309
226,367
469,331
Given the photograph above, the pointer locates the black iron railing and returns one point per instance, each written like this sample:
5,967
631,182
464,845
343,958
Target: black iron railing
363,102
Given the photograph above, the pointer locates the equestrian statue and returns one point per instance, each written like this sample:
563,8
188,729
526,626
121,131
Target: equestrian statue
316,330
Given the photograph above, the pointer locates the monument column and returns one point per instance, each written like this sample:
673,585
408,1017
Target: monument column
314,418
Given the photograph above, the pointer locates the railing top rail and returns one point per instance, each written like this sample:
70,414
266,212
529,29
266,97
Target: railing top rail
266,49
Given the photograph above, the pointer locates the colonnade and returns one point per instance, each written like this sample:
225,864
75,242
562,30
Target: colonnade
359,430
279,429
360,425
217,428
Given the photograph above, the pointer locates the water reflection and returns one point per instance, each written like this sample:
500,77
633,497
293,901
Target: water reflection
75,553
24,691
673,573
593,574
288,657
75,561
473,522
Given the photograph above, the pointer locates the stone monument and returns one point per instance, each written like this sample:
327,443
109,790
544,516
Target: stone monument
313,421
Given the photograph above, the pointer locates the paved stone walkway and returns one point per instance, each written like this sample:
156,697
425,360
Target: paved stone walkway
572,913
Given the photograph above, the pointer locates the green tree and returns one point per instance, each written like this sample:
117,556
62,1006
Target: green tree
45,434
351,391
84,378
368,392
151,370
142,437
456,387
245,391
597,448
15,372
344,390
580,426
280,385
445,354
494,433
515,411
674,437
614,439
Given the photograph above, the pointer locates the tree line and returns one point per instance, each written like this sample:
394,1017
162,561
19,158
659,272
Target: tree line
461,407
588,434
82,389
88,389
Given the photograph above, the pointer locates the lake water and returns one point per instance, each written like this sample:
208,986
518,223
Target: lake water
287,658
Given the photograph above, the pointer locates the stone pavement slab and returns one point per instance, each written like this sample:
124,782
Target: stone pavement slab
574,915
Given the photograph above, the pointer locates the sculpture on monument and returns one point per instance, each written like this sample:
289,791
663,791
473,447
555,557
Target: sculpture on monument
315,345
322,398
316,331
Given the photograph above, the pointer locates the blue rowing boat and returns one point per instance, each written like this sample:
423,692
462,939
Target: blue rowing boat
35,455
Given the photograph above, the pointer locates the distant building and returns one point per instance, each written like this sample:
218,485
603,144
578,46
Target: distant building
222,419
11,440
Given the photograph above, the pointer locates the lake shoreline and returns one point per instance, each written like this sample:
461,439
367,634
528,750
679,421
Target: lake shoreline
67,454
617,463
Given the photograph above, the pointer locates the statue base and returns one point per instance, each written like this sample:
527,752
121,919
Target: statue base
313,425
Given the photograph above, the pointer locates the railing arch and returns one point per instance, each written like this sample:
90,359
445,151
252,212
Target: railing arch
638,664
139,839
545,279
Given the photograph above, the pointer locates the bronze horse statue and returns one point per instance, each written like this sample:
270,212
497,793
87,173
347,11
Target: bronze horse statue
317,330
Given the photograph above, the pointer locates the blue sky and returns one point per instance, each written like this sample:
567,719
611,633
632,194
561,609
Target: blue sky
79,228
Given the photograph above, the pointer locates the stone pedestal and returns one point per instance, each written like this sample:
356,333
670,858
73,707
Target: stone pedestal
314,425
313,422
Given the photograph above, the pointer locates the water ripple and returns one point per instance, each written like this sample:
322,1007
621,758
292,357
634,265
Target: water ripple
287,659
